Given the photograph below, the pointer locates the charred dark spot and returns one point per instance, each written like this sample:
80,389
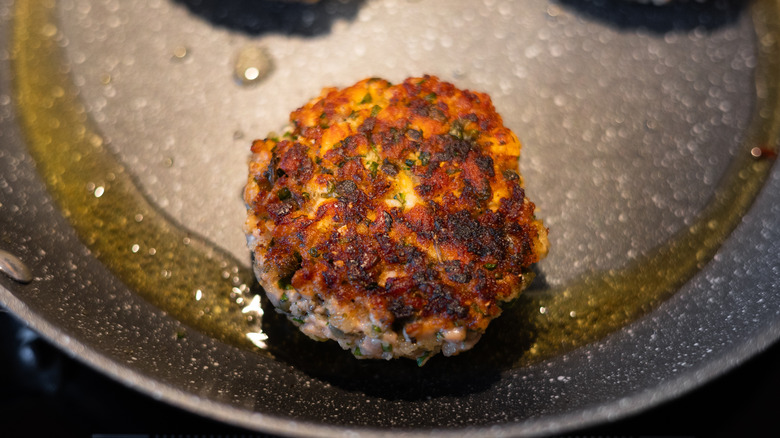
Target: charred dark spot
296,163
457,272
278,210
442,301
287,267
402,313
479,194
414,134
347,189
389,168
368,259
454,149
387,248
388,221
330,278
477,239
425,276
390,137
485,164
510,175
424,189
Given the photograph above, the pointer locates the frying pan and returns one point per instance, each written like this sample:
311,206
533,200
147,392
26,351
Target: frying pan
649,142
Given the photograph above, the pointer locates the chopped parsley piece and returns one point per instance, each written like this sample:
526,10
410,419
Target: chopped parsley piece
366,98
490,266
387,348
456,130
400,197
422,359
375,110
330,190
372,167
284,193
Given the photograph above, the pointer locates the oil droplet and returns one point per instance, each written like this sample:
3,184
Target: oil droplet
179,53
14,267
253,64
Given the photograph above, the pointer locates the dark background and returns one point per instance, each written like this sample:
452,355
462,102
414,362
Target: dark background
43,392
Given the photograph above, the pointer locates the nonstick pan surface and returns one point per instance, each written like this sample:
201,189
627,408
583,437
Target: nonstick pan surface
649,133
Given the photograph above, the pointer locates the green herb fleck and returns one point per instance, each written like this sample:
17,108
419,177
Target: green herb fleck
400,197
375,110
357,352
490,266
409,162
284,193
285,283
425,158
377,329
422,359
456,130
372,168
284,297
431,97
330,190
366,98
387,348
298,320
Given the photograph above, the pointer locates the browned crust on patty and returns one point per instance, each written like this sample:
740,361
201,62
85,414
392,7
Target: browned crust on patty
396,205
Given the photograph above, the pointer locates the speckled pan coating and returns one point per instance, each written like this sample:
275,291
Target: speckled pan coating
649,106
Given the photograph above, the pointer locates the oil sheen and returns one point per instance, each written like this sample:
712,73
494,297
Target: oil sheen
205,288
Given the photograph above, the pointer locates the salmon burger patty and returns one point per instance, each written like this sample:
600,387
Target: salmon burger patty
392,218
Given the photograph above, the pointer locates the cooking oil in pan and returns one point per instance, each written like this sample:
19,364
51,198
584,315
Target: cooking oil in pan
205,288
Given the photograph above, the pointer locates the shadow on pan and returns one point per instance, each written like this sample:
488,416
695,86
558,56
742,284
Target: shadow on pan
259,17
679,15
506,340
